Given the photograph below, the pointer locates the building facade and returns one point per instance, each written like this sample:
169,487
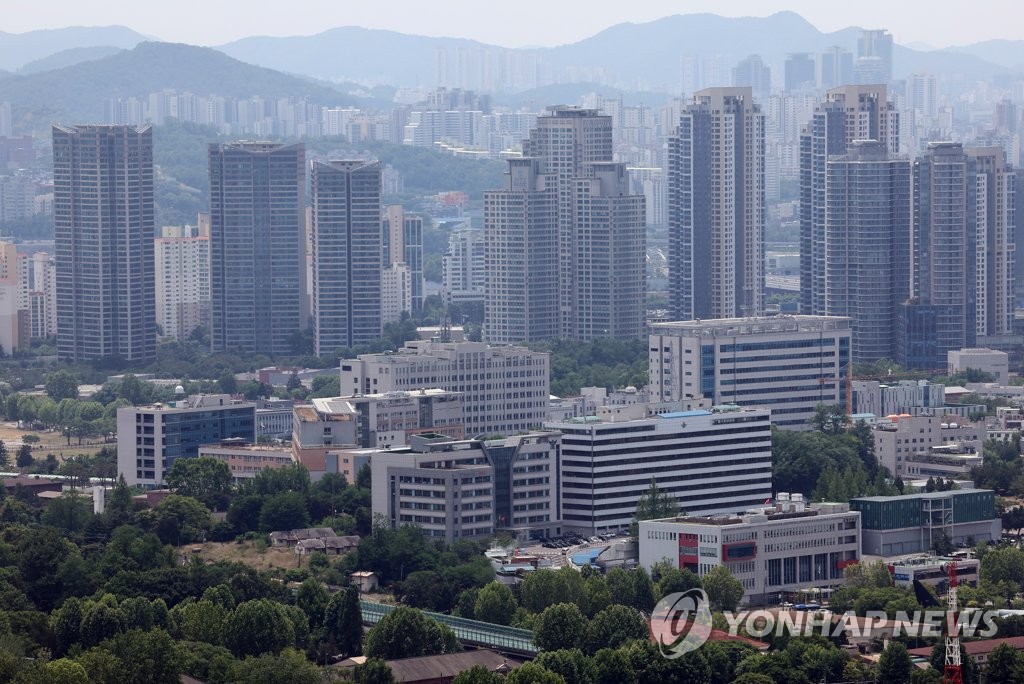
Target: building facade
347,254
103,237
463,489
151,438
897,525
776,552
464,270
711,462
257,251
848,113
788,364
182,265
13,316
716,207
505,390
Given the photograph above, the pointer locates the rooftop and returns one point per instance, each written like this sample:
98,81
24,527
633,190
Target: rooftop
752,326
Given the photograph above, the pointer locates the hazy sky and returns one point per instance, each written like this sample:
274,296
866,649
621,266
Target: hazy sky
512,23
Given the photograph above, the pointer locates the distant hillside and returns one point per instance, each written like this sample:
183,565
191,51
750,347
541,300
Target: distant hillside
70,57
76,93
18,49
349,53
632,57
1008,53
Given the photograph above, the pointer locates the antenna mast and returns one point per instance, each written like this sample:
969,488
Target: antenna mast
952,672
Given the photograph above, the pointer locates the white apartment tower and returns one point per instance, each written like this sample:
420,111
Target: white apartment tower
182,260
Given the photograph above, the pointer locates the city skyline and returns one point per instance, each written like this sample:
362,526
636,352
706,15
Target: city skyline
514,26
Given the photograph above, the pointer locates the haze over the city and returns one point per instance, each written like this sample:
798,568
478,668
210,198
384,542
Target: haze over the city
529,23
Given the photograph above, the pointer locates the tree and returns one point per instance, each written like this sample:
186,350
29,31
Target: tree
614,626
284,511
407,633
64,671
288,667
895,664
675,580
199,621
70,512
571,664
495,603
724,591
373,671
24,458
258,626
613,667
61,385
180,520
207,479
1005,666
560,626
311,598
478,674
343,622
654,504
532,673
148,657
132,390
227,382
3,454
66,624
100,622
830,419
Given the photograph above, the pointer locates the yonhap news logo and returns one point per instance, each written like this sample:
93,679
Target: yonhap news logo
681,622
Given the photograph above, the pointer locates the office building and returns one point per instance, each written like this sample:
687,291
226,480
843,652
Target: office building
849,113
257,251
923,96
835,68
898,525
916,447
874,57
403,244
776,552
547,236
505,390
470,488
912,397
711,462
996,363
867,241
151,438
182,274
800,72
103,237
464,268
716,207
753,73
788,364
347,254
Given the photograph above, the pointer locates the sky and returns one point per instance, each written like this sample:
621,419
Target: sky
515,23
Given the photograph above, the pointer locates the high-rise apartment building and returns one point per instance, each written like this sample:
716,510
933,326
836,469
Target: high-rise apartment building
347,254
551,196
103,235
38,276
463,267
874,57
403,244
867,234
995,215
182,267
13,317
848,113
717,207
257,251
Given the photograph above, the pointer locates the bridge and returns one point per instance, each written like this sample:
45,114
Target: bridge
473,632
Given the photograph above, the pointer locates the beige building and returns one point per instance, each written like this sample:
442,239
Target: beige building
940,445
247,460
13,318
182,263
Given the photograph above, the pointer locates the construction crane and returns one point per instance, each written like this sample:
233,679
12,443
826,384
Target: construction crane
952,671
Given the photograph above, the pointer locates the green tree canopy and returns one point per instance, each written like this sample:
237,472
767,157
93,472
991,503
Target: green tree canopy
407,633
207,479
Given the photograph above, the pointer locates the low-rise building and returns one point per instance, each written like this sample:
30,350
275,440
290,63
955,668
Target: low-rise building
247,460
928,445
712,461
916,523
996,363
454,489
933,571
913,397
775,552
151,438
274,418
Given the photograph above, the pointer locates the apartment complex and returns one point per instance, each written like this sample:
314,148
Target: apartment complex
103,237
504,390
347,254
712,462
257,251
776,552
151,438
463,268
789,364
470,488
716,206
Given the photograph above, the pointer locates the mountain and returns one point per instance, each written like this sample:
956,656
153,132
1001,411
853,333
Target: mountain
349,53
18,49
76,93
633,57
1008,53
70,57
